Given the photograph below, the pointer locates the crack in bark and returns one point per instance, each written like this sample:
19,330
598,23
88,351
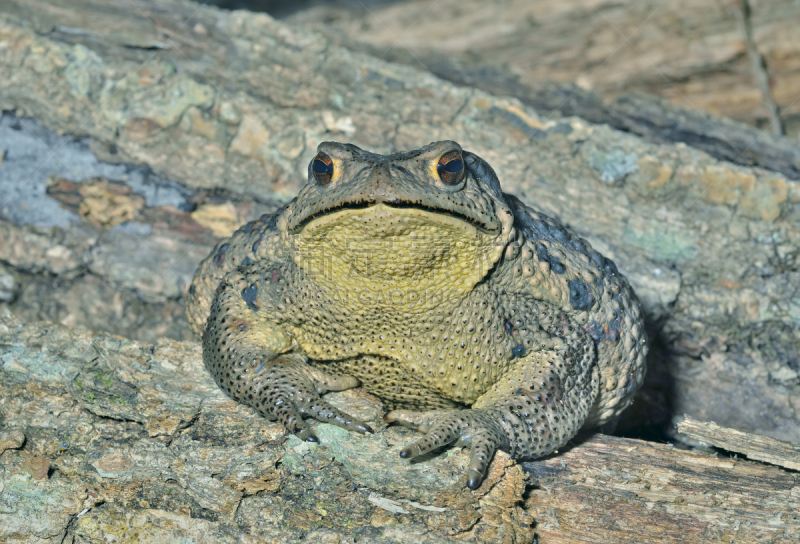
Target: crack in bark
183,426
760,73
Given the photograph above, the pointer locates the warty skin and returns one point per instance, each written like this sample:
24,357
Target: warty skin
475,318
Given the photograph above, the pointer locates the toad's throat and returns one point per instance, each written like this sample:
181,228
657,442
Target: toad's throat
384,252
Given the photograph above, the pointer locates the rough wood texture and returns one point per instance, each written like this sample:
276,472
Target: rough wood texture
564,90
761,448
118,439
654,119
736,58
618,490
137,133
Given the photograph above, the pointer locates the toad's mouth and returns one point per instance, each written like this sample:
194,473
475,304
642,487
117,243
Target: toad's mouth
394,204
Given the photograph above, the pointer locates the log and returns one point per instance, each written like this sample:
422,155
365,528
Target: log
136,134
548,78
761,448
736,58
610,489
108,436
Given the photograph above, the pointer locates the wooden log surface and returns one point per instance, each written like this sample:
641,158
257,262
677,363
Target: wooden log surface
118,439
761,448
735,58
136,134
619,490
596,61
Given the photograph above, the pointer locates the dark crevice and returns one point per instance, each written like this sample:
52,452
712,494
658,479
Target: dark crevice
285,8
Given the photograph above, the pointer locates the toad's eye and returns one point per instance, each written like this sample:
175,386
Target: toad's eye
322,168
451,168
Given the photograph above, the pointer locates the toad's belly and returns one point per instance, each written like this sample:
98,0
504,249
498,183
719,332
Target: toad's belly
456,368
424,365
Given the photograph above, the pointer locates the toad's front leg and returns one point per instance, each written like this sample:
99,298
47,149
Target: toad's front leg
253,360
534,409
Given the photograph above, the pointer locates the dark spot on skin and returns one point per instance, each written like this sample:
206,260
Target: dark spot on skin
544,256
542,253
219,258
559,234
609,267
247,261
191,289
580,296
270,224
271,221
579,246
250,227
614,326
608,332
518,350
249,294
595,330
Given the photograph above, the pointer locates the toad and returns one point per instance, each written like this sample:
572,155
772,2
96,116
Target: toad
476,319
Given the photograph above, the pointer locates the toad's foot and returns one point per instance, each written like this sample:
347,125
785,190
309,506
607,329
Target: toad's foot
477,428
286,390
